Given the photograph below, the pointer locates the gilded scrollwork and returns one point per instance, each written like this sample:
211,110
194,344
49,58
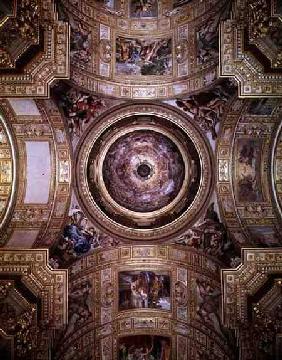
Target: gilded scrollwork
25,75
47,126
124,222
173,60
244,192
251,48
106,278
252,303
33,301
7,169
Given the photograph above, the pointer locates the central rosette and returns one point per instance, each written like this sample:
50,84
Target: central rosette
143,171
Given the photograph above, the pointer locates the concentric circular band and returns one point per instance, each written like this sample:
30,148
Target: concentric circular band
108,152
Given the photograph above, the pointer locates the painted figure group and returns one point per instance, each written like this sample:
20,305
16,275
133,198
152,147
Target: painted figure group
147,290
145,348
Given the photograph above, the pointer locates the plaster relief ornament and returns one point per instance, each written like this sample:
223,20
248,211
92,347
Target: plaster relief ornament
34,48
181,294
251,48
208,304
252,303
182,51
80,306
131,300
7,171
105,50
139,49
33,303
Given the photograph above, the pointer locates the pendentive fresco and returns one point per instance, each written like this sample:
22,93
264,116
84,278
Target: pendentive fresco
140,180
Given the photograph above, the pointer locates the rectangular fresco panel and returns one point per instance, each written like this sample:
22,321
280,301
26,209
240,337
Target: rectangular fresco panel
144,289
143,56
143,8
140,347
249,187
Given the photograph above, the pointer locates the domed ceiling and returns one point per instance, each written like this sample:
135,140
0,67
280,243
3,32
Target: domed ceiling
145,171
144,50
140,197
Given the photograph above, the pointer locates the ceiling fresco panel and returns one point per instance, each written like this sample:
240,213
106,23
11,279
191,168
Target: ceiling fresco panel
163,54
175,314
140,194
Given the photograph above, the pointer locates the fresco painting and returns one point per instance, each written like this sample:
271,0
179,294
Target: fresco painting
140,347
208,36
265,235
262,106
279,7
143,56
6,9
107,3
177,3
143,8
248,170
144,289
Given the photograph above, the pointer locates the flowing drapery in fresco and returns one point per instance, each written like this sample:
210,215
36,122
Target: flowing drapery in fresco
143,56
144,289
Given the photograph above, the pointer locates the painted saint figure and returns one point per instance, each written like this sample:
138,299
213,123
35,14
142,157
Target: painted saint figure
139,292
144,8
